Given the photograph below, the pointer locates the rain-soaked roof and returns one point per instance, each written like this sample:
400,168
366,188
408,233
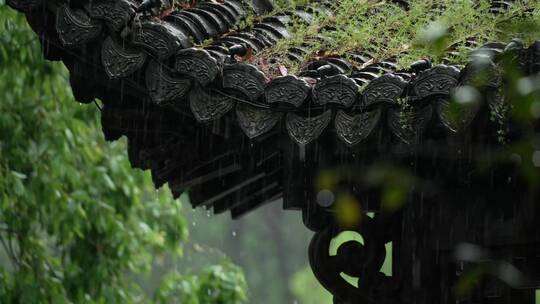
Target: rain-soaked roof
203,118
207,112
244,122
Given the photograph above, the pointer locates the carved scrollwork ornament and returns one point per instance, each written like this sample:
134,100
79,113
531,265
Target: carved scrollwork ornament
75,27
255,122
163,87
456,117
353,129
207,106
116,14
409,124
287,89
304,130
160,38
245,78
198,64
439,80
361,259
338,89
387,88
121,61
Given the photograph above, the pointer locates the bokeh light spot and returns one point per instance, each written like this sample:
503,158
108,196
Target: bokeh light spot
325,198
348,211
536,158
466,95
535,109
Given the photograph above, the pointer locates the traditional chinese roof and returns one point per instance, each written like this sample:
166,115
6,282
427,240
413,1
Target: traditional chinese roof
236,134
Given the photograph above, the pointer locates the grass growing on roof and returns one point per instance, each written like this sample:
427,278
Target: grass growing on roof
385,30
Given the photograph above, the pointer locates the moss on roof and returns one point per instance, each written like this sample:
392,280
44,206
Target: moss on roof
386,30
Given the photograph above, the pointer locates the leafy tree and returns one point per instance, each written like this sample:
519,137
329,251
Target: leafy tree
217,284
76,221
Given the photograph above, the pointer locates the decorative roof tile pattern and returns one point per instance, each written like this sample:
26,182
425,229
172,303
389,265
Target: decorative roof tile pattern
243,125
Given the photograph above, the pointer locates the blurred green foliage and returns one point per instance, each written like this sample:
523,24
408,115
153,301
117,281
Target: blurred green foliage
76,221
270,245
307,289
217,284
